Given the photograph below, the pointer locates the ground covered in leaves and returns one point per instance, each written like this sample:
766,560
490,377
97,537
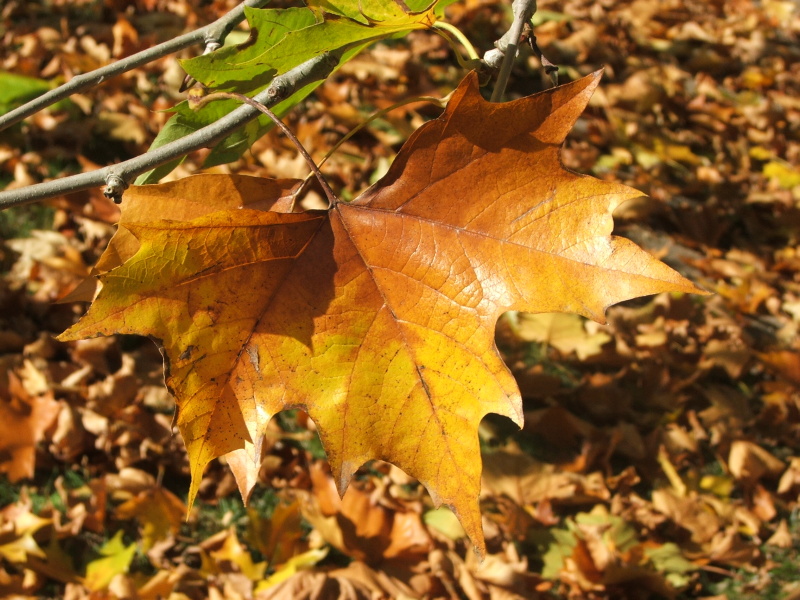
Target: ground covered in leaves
661,452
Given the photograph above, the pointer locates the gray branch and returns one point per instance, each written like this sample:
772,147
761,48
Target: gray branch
117,177
506,47
212,35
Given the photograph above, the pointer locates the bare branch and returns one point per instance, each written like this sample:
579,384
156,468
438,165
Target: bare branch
120,175
212,35
507,46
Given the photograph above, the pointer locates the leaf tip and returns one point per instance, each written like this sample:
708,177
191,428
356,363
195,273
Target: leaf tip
343,474
471,522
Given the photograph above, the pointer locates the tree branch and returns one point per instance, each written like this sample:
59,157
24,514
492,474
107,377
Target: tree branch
117,177
507,46
212,35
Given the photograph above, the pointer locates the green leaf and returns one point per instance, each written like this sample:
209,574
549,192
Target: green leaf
371,11
116,559
16,90
445,521
186,121
284,39
560,547
280,40
617,533
668,558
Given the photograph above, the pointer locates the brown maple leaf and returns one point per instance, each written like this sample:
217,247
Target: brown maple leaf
24,418
377,316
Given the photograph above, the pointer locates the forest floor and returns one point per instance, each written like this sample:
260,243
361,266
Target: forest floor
660,455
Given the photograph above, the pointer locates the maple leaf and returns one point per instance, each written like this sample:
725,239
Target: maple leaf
115,559
24,418
377,316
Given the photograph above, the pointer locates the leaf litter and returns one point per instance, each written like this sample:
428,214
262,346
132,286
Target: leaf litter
661,462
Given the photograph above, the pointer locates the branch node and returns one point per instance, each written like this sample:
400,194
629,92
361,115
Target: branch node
494,58
508,45
212,44
550,68
115,187
278,91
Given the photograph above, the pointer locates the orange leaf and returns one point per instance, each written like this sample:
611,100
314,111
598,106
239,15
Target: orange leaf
23,420
159,511
377,317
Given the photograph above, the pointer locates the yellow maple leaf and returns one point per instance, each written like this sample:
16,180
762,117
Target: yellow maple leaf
377,316
115,559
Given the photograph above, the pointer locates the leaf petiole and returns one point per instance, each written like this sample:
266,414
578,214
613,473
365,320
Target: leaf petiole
446,29
197,103
381,113
442,102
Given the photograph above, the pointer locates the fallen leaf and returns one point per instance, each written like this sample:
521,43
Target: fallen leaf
237,555
690,512
293,566
116,558
17,551
361,526
565,332
159,511
782,538
377,316
276,536
23,420
785,363
751,462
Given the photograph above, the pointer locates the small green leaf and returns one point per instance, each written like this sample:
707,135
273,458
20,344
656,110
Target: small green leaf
116,559
560,547
443,520
186,121
668,558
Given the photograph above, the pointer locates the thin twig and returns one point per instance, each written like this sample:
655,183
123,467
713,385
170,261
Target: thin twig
442,102
118,176
211,34
550,68
718,571
332,199
508,45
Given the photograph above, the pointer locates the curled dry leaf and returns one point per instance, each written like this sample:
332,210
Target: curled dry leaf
751,462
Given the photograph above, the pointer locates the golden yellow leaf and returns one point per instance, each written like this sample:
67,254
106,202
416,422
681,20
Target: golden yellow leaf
159,511
116,558
377,316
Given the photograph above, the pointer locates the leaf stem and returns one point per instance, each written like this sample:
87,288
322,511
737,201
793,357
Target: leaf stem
376,115
332,199
508,45
550,68
211,34
118,176
458,34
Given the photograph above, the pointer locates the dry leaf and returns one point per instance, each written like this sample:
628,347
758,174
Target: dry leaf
377,317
